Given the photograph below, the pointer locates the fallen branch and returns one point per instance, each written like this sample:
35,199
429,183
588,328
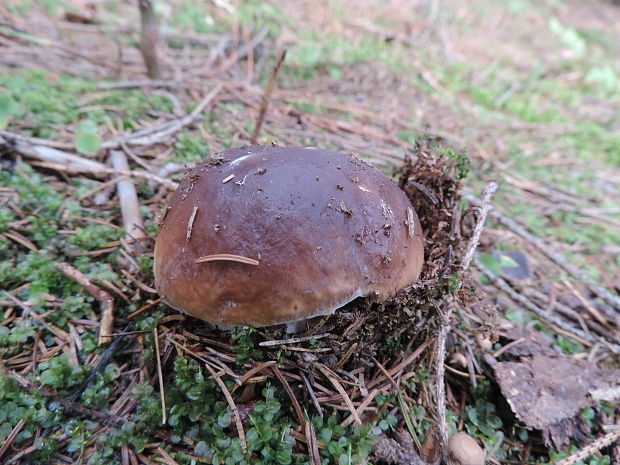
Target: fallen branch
69,161
128,198
551,318
13,136
591,448
163,131
106,302
612,299
63,161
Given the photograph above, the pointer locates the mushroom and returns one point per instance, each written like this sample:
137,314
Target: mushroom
267,235
465,450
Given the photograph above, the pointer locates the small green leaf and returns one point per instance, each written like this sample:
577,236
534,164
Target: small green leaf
8,106
507,261
284,457
201,448
224,420
88,126
86,142
325,435
194,392
491,263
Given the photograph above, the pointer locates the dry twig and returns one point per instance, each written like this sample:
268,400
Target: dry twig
444,328
592,448
106,302
293,340
605,294
128,198
553,319
267,96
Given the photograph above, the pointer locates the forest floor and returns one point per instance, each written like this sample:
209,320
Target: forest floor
528,91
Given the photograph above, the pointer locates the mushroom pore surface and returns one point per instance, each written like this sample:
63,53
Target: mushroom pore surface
323,226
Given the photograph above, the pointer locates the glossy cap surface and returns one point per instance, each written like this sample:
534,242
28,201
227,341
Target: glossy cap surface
324,228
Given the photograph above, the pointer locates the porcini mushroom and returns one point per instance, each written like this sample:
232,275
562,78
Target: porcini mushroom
268,235
465,450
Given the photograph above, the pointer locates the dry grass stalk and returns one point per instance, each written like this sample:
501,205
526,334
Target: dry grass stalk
144,308
160,375
313,448
233,407
312,395
361,407
402,365
165,457
293,340
17,237
11,437
291,395
252,371
347,400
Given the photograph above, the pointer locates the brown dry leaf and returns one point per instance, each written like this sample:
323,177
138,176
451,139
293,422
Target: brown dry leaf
548,392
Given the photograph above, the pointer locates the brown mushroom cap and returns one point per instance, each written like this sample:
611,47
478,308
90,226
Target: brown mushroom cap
323,226
465,450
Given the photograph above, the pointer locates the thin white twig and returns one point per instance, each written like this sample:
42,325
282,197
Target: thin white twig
485,207
63,161
128,198
592,448
163,132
